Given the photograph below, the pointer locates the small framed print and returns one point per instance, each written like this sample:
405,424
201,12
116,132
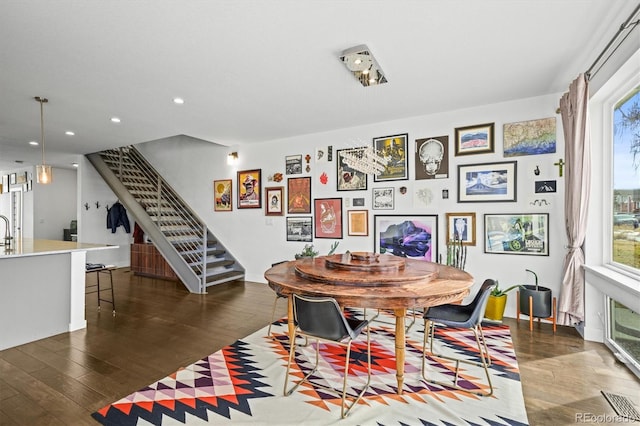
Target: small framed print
30,185
488,182
358,223
517,234
394,150
432,158
249,184
5,184
412,236
299,195
461,227
328,217
476,139
383,198
273,201
13,179
299,228
293,164
222,195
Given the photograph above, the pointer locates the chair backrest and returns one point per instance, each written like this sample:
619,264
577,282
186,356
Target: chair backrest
480,301
320,317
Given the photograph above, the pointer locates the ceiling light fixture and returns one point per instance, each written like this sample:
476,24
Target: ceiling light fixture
34,143
178,101
43,171
360,62
69,133
115,119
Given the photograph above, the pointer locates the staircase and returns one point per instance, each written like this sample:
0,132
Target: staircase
184,240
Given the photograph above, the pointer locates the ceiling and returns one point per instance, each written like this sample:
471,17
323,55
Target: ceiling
253,71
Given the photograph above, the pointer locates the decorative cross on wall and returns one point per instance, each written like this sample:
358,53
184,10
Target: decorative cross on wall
560,164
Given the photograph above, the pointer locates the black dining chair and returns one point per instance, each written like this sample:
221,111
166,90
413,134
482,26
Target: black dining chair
460,316
321,319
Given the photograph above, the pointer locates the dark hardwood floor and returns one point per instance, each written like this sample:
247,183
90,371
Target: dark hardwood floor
160,327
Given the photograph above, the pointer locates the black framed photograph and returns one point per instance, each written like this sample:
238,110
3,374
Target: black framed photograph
411,236
394,150
487,182
299,228
461,227
477,139
383,198
348,178
526,233
293,164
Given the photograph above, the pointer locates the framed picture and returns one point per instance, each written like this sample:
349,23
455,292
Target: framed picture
358,202
222,195
488,182
293,164
348,178
30,185
383,198
249,184
432,158
273,201
13,179
299,195
299,228
358,223
531,137
461,227
412,236
476,139
328,217
5,184
517,234
394,150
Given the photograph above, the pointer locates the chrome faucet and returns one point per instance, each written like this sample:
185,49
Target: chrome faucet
7,233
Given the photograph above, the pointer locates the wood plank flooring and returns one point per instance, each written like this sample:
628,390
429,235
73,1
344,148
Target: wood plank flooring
160,326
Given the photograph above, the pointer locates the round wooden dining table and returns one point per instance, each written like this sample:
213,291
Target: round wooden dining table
368,280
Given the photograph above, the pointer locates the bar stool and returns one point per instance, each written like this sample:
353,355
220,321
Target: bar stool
101,269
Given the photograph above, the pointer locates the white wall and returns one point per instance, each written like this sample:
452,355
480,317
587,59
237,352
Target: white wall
92,221
54,205
257,240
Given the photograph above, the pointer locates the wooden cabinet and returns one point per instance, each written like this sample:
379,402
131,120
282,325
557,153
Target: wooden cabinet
146,260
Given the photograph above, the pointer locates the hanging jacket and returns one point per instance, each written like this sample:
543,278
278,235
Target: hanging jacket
116,216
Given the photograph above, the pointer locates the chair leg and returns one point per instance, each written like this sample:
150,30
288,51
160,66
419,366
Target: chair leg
485,359
292,352
273,314
344,413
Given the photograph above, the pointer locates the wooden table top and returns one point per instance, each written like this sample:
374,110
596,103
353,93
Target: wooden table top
382,284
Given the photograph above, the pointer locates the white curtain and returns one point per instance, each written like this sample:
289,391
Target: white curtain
575,121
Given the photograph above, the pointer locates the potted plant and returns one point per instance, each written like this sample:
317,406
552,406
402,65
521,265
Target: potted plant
540,297
308,250
497,302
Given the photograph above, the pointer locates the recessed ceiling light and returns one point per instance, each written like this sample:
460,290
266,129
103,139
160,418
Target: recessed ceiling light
69,133
115,120
178,101
74,164
34,143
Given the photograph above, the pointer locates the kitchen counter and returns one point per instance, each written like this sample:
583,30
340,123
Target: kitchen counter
42,289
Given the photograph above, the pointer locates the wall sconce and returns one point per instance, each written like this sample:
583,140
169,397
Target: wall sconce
232,158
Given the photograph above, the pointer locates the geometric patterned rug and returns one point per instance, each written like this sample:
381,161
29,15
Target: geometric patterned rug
243,384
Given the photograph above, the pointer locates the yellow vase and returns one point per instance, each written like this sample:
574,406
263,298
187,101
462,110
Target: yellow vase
495,307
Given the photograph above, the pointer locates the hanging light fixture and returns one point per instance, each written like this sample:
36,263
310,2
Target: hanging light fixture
43,171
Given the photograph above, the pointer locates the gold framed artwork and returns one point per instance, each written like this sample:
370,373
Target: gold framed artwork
476,139
461,227
222,200
249,184
358,223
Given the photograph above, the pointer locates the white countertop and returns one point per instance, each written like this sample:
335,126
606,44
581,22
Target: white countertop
30,247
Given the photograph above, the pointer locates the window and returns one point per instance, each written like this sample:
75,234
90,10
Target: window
626,181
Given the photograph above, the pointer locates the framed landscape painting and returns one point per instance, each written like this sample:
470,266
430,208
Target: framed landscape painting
222,195
476,139
517,234
488,182
328,217
413,236
531,137
394,150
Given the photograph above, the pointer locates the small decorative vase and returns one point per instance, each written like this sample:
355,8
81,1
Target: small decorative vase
495,307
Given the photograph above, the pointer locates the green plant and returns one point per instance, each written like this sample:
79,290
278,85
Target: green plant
535,275
334,246
307,251
497,291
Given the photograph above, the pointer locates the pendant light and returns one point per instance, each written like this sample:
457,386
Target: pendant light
43,171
